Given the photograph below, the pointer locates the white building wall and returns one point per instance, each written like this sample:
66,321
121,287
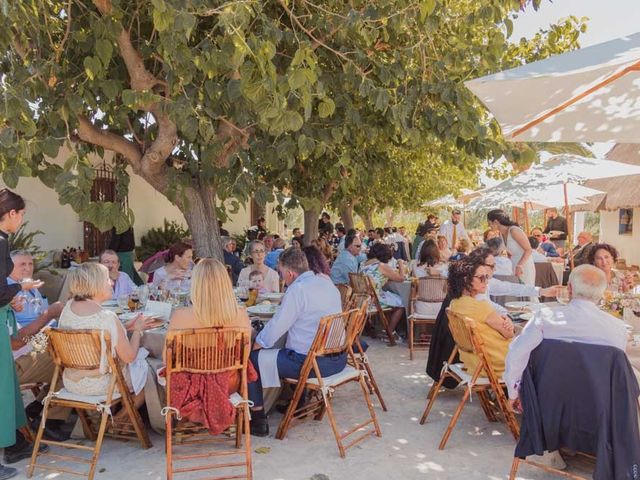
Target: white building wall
62,227
627,245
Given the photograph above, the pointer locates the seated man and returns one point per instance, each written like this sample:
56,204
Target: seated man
121,282
32,368
579,321
308,298
347,260
271,259
231,259
582,250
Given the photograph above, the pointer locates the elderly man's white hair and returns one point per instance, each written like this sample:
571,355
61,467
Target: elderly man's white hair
588,282
19,253
227,240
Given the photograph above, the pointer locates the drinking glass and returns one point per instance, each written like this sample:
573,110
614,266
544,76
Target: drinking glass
123,302
563,295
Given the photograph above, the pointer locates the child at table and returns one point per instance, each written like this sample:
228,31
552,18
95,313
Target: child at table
256,280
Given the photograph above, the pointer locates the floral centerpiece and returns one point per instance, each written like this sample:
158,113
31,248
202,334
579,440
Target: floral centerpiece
615,303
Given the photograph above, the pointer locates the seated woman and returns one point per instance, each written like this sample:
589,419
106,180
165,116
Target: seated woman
467,278
257,251
317,261
462,247
177,270
429,263
604,256
376,267
213,305
89,286
445,251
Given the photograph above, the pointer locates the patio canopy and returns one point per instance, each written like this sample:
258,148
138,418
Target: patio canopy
588,95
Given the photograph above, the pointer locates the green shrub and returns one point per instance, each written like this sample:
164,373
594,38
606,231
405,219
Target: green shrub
23,240
161,238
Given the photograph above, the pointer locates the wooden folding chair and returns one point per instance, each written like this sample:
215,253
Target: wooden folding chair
345,294
428,290
209,351
357,356
334,335
81,349
467,340
361,283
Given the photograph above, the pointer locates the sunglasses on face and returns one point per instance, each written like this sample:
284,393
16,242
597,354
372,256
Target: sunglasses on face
482,278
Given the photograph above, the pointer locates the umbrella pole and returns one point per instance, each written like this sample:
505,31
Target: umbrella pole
526,219
569,224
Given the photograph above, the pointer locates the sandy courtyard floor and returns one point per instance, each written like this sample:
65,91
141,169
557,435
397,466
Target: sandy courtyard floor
477,449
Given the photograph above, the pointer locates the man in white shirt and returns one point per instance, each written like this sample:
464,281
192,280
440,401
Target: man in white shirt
579,321
453,230
308,298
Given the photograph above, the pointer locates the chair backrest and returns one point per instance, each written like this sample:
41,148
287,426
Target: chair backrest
361,283
357,300
345,294
79,349
459,327
207,350
333,333
357,320
431,289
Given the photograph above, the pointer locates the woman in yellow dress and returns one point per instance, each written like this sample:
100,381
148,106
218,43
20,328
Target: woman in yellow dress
467,278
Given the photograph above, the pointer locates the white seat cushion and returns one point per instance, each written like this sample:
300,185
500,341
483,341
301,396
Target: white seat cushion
458,369
417,316
65,394
348,373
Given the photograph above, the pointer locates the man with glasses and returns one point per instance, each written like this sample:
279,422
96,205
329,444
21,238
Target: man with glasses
308,298
548,248
347,261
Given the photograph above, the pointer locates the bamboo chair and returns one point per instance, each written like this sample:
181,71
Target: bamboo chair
428,290
361,283
357,356
335,334
345,294
80,349
467,340
209,351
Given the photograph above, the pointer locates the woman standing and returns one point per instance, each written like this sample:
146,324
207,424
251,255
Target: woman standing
517,244
12,416
258,251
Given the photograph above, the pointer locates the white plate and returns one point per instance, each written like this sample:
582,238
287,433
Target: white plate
519,306
110,303
526,316
267,310
272,297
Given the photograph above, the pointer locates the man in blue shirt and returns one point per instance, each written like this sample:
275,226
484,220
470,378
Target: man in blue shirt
33,303
308,298
271,259
347,261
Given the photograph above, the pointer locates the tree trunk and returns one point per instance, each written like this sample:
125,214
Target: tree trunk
311,216
201,217
346,215
367,218
389,216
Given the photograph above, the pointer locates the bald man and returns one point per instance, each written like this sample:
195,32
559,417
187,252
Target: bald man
579,321
581,251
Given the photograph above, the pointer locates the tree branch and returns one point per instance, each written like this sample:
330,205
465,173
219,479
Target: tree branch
141,79
329,189
88,132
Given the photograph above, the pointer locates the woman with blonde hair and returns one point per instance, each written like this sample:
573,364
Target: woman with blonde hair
89,286
212,299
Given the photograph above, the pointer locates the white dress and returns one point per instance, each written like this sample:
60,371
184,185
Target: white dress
529,275
96,382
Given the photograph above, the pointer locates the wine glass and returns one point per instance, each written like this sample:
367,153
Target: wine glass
36,305
143,295
123,302
563,295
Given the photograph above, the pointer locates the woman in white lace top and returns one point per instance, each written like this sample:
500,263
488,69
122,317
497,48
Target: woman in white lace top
89,286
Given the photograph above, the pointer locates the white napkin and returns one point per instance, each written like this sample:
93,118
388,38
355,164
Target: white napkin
268,366
162,309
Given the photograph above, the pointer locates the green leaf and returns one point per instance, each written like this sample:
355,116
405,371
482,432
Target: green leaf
10,177
426,8
92,67
163,19
234,90
326,108
297,79
293,121
104,48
